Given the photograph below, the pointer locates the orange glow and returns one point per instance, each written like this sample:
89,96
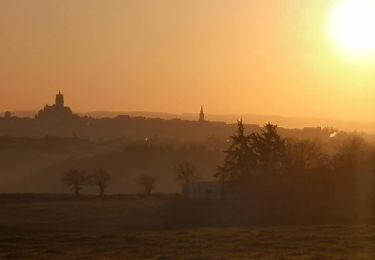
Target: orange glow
353,27
245,56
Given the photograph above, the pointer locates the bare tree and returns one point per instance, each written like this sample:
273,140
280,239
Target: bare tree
303,156
186,172
352,155
148,182
99,178
74,179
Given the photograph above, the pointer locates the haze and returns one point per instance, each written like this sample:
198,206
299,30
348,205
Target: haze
244,56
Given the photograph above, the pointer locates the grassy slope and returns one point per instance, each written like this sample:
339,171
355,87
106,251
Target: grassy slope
129,228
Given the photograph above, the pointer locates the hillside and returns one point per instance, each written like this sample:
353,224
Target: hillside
36,165
127,163
21,158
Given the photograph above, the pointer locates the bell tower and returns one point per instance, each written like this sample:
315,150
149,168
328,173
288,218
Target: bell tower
59,100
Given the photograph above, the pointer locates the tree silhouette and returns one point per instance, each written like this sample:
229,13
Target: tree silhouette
262,152
99,178
74,179
269,148
186,172
148,182
239,158
352,156
305,156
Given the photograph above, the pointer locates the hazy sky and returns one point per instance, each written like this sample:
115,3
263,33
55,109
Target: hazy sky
232,56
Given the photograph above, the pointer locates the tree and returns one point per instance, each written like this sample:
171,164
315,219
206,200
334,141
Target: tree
239,159
305,156
186,172
352,156
269,148
74,179
100,178
148,182
247,155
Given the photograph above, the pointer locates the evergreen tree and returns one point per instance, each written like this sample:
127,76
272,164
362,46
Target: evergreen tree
239,158
269,148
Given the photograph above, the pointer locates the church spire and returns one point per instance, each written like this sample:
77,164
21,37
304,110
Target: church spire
201,115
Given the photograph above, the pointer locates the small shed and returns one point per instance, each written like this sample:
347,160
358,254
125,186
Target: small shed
202,190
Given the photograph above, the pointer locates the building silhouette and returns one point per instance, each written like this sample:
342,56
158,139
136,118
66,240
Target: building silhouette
201,115
59,100
57,111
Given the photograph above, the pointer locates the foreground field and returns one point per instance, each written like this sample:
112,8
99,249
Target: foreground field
135,229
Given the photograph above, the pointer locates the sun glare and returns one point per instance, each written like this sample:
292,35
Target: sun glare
353,27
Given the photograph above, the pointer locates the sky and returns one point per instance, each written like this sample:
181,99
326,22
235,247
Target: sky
231,56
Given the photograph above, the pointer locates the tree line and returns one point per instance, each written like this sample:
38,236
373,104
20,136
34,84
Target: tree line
267,153
77,179
271,179
264,154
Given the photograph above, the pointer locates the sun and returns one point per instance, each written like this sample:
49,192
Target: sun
353,27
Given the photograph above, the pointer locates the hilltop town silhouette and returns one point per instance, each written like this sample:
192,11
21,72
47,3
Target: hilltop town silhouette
57,111
59,120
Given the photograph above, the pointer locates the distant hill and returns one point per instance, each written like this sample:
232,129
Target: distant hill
283,121
135,127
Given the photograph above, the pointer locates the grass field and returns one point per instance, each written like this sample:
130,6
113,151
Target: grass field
136,229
